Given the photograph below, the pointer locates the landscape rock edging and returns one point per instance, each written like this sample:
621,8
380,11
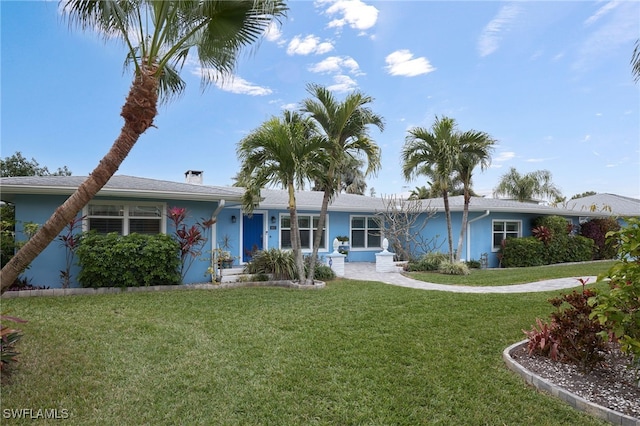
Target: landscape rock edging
575,401
115,290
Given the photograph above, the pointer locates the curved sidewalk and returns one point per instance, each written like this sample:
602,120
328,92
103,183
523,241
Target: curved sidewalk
367,272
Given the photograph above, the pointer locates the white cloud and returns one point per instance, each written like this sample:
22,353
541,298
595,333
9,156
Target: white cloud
401,62
616,30
235,84
492,33
291,106
343,83
601,12
336,64
354,13
273,33
307,45
538,160
504,156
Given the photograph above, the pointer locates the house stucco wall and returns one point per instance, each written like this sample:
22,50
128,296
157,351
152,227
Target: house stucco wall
45,269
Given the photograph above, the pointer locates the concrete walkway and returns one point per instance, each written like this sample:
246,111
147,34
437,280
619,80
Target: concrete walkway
367,272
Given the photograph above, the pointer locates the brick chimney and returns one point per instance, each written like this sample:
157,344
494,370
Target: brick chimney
193,176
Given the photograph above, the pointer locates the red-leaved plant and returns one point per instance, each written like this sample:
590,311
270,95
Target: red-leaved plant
8,339
70,240
542,340
572,335
542,233
191,239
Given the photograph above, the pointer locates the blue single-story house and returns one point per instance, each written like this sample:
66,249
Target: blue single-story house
130,204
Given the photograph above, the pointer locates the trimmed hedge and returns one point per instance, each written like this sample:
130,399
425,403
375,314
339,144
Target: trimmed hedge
522,252
133,260
529,251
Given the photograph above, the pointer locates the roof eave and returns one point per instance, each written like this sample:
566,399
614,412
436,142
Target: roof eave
113,192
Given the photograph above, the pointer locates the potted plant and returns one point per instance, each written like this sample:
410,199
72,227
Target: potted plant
224,258
344,244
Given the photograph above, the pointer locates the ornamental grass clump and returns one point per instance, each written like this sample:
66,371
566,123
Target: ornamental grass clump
453,268
428,262
278,263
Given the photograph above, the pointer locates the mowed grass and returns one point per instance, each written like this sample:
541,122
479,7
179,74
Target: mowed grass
354,353
509,276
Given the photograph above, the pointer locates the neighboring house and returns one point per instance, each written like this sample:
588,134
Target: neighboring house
132,204
616,205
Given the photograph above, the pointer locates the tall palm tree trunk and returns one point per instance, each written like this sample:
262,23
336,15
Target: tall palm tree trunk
465,218
295,233
139,110
318,236
447,213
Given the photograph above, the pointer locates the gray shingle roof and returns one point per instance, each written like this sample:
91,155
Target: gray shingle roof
616,204
312,200
119,185
137,187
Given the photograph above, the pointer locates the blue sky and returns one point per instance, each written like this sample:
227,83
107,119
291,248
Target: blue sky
550,81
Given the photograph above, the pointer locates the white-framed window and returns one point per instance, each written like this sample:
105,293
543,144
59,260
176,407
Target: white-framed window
365,232
503,229
125,217
308,224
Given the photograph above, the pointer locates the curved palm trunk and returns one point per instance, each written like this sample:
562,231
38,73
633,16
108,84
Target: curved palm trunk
138,112
447,213
318,236
465,218
295,233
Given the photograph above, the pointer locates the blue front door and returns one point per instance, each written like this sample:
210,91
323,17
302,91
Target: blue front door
252,235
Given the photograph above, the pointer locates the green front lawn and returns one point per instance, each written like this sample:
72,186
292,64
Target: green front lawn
508,276
354,353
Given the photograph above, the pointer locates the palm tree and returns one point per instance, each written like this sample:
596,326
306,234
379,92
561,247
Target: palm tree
159,36
420,193
433,153
352,178
525,187
475,150
281,152
344,126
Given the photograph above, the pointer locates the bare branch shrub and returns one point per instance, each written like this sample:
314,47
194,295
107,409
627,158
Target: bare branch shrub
402,222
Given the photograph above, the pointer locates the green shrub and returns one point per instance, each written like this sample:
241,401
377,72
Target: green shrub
521,252
567,248
455,268
323,273
428,262
7,242
558,225
579,249
473,264
619,308
134,260
555,251
279,263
